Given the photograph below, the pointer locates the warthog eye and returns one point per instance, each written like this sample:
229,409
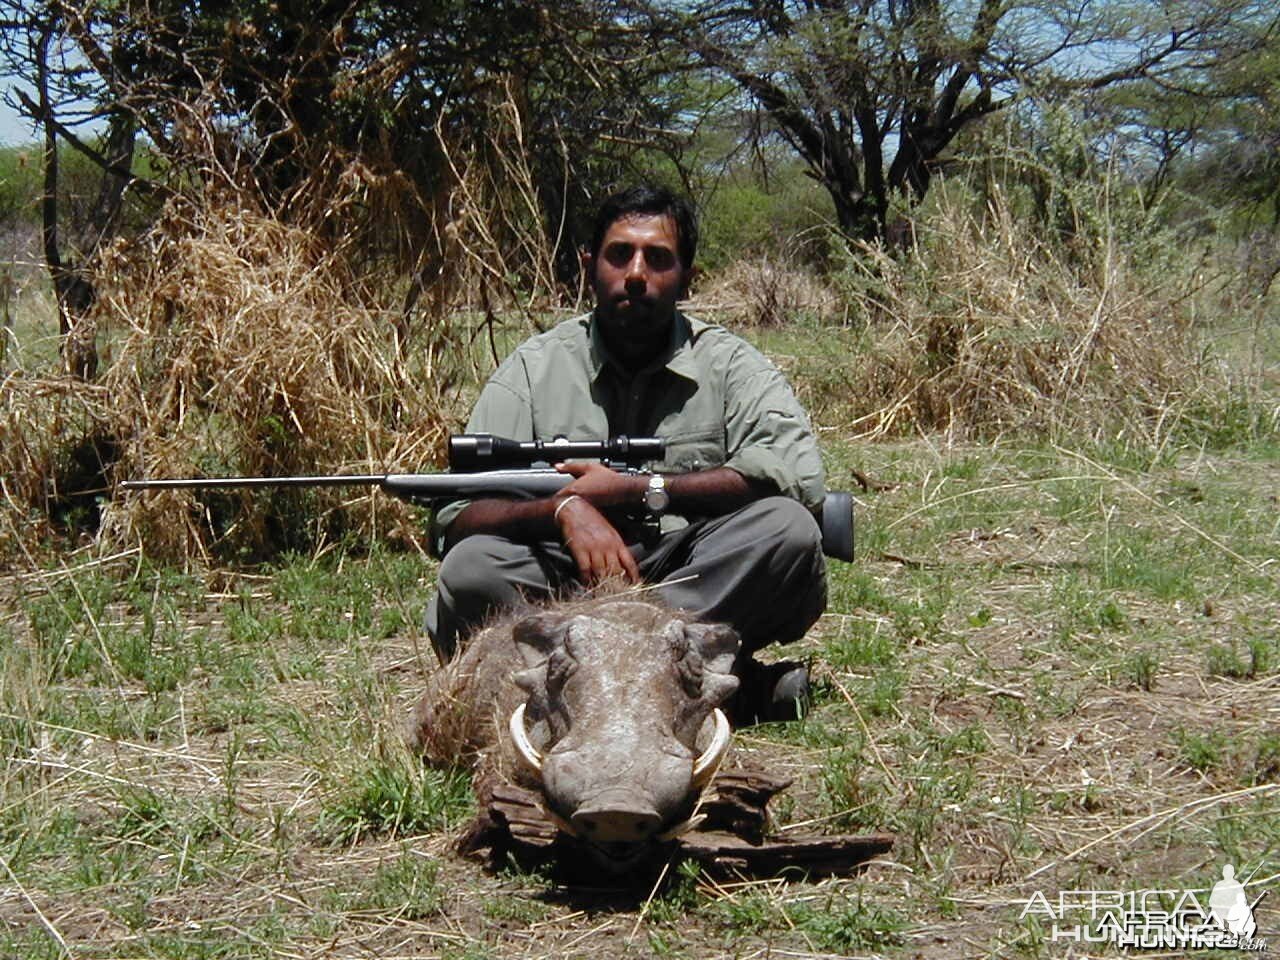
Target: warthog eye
689,670
560,667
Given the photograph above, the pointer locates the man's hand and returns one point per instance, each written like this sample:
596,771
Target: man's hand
593,541
603,487
597,546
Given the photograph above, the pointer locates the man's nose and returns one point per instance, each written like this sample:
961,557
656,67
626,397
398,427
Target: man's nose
637,272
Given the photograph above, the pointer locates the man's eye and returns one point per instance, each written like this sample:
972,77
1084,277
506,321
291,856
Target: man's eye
619,253
659,258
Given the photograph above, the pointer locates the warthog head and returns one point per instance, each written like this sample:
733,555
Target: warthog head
621,724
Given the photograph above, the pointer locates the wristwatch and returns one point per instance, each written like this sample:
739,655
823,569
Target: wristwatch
656,498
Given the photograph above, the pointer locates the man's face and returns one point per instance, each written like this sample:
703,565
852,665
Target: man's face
637,278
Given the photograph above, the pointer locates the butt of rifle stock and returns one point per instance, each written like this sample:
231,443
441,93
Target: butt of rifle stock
837,525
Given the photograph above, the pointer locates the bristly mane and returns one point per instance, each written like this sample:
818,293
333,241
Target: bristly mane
468,700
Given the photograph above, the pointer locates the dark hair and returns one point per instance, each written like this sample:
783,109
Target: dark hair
647,199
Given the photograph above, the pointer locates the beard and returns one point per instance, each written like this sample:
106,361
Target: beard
635,329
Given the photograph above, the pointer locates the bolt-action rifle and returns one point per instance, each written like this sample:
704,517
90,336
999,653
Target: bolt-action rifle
482,465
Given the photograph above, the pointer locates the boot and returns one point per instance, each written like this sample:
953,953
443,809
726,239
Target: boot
770,692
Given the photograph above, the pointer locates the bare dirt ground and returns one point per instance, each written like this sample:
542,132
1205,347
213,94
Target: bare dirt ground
1044,674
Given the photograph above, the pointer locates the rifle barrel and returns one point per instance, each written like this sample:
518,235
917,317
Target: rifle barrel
408,486
187,483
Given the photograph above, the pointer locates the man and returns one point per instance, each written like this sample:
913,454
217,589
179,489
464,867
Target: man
724,526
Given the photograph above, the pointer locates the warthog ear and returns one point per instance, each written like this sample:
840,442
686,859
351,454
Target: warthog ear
717,688
685,658
704,670
538,635
532,680
541,640
717,643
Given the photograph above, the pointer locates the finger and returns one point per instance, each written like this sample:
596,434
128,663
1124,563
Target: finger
589,563
630,566
575,469
599,567
584,571
583,560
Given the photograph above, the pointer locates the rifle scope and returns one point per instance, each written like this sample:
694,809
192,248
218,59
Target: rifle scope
472,452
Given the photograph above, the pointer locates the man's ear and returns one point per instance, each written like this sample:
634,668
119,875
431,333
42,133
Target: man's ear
691,275
587,261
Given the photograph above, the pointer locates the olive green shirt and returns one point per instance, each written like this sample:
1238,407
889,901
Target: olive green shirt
711,396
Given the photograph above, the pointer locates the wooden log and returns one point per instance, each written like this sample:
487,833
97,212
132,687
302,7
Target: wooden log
524,816
738,801
508,816
724,854
733,841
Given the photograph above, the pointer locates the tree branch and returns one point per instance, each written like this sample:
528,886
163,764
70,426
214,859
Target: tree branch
84,149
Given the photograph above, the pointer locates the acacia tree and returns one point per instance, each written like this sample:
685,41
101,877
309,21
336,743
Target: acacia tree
871,93
278,102
57,97
1217,135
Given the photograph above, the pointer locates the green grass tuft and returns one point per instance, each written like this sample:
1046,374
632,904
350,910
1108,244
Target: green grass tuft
397,798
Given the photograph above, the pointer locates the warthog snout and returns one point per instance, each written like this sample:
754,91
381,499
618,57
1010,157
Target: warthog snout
616,818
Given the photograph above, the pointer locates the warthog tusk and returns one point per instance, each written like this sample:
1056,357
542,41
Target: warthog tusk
528,752
561,824
704,768
681,828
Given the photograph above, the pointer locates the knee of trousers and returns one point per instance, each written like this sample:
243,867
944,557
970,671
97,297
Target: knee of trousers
472,571
793,573
788,525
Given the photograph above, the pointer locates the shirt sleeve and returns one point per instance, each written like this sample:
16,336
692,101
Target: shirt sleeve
768,436
504,410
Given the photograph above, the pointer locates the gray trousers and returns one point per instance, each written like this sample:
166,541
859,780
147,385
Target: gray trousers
759,569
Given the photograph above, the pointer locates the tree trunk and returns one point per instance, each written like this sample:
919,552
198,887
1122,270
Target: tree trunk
859,215
74,294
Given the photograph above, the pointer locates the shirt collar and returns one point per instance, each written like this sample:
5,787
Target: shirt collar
678,357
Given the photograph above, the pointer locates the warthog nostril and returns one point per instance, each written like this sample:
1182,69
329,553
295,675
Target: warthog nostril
617,824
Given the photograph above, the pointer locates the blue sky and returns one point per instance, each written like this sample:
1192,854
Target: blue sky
13,129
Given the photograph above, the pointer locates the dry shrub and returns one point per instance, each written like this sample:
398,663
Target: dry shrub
767,291
238,345
494,216
482,258
983,327
53,445
245,336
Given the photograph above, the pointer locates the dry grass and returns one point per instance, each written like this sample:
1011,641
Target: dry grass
768,291
330,331
232,344
984,702
982,328
253,351
1007,335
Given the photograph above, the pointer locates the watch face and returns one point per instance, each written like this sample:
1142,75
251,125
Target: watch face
656,498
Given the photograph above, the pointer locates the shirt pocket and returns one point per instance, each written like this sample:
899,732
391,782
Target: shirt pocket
698,447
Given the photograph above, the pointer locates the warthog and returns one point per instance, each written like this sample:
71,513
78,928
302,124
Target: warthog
609,707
